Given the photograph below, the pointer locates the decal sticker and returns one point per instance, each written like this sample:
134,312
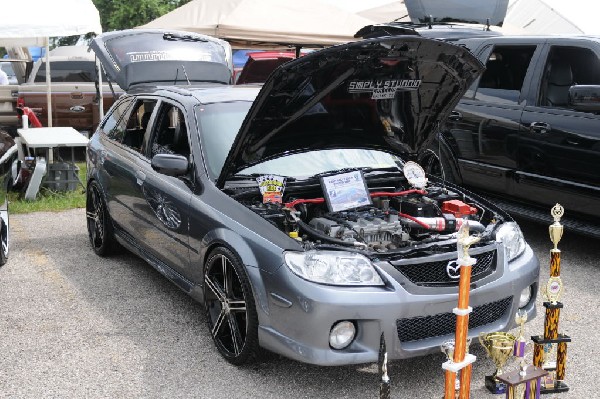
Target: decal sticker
143,56
271,187
164,209
383,89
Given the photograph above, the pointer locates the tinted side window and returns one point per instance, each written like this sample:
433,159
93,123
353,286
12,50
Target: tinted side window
137,123
502,80
114,124
565,67
169,135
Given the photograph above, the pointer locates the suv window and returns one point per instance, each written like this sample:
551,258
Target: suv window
565,67
169,135
505,72
114,124
137,123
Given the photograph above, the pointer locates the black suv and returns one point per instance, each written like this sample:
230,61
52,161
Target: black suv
527,132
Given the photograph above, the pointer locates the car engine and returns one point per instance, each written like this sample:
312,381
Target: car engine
396,218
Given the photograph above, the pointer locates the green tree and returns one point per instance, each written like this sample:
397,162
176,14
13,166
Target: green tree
125,14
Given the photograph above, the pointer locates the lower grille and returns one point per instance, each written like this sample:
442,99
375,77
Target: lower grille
417,328
435,274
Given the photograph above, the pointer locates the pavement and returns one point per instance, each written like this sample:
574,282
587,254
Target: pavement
74,325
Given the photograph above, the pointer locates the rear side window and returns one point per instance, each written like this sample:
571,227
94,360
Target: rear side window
114,124
505,70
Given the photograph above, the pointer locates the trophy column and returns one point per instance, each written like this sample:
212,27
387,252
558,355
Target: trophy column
459,360
552,292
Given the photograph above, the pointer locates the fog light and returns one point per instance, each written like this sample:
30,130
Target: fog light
525,297
341,335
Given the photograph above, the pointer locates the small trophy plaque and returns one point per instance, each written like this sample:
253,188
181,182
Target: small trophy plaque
499,346
552,291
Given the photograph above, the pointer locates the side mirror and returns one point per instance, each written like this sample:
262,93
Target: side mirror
170,164
585,98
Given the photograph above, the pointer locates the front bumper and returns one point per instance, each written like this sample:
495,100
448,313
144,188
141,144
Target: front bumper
296,316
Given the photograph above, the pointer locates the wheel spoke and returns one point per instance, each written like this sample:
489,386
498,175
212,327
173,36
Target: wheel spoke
218,323
91,215
215,289
236,336
226,277
237,306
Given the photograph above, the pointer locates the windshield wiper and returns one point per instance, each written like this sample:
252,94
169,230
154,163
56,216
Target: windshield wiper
183,38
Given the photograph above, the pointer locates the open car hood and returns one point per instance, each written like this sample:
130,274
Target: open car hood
387,94
155,56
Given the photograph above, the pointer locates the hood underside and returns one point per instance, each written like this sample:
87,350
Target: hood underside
387,94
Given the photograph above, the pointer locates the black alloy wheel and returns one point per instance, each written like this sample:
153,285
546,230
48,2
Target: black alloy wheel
4,240
230,308
98,222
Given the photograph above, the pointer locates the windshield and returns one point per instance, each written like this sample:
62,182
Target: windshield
220,123
315,162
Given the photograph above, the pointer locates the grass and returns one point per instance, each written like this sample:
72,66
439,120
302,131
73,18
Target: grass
49,200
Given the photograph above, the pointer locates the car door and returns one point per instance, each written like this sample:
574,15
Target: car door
162,202
560,146
486,123
123,152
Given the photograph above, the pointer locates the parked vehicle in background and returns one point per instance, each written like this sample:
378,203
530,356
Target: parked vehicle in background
527,132
8,69
260,65
8,100
74,89
292,212
8,154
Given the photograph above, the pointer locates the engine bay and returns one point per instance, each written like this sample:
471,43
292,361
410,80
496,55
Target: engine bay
399,214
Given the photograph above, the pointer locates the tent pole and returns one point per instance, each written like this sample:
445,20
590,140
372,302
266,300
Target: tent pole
48,84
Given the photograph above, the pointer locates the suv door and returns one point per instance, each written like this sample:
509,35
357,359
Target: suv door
560,147
485,125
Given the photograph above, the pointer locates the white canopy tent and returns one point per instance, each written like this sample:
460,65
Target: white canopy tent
38,20
555,16
265,23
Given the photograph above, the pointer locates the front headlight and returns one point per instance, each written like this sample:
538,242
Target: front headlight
510,235
333,267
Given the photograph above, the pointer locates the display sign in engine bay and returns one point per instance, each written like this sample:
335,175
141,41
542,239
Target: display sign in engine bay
383,89
345,191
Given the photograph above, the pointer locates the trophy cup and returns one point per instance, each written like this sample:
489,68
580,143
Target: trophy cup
552,292
499,347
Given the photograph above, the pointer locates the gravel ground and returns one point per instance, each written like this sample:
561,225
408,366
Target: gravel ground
74,325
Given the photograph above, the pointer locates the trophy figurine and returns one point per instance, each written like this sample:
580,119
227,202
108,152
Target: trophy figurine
552,291
499,346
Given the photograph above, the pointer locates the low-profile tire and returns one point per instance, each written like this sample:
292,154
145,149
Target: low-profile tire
4,241
230,309
99,224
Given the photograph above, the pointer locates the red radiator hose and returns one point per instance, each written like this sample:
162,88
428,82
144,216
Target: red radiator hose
293,203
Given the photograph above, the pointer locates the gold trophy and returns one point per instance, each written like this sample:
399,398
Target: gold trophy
499,347
552,292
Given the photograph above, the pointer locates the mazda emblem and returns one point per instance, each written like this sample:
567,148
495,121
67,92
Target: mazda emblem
453,269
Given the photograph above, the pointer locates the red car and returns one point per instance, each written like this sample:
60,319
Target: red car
260,65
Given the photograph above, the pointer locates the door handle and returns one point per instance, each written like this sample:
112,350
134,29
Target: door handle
455,116
540,127
140,177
